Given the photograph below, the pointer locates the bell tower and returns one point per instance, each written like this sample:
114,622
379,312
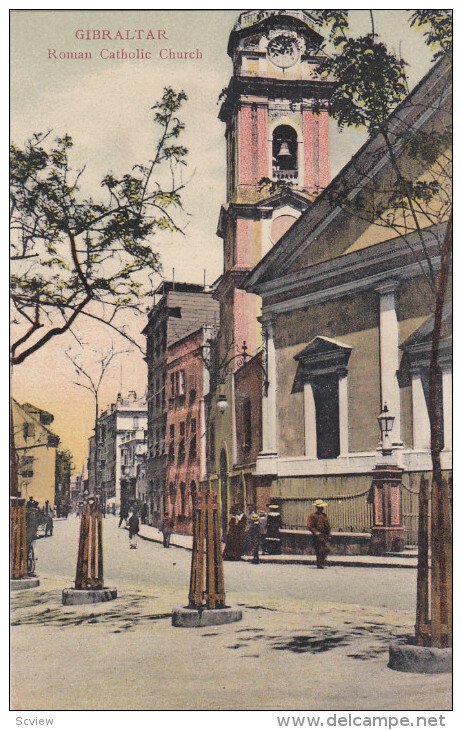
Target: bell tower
275,107
277,141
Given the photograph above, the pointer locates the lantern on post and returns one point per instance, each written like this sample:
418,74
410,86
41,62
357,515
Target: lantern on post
386,421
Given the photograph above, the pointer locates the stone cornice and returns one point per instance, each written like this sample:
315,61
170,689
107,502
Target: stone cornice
377,265
262,87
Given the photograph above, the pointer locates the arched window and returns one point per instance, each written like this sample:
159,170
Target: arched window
285,153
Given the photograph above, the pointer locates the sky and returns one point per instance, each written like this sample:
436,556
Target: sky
105,106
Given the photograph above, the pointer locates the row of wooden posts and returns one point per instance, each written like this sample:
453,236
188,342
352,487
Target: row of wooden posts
207,585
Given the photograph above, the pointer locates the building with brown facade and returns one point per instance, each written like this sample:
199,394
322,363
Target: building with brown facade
187,385
180,309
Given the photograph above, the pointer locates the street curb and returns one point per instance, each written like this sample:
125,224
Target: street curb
297,561
160,541
330,563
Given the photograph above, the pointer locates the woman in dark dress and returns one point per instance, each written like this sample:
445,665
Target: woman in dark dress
232,549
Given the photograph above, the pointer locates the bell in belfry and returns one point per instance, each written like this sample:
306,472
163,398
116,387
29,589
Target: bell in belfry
284,151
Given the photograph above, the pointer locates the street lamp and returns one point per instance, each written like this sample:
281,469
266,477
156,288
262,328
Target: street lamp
222,403
223,369
386,421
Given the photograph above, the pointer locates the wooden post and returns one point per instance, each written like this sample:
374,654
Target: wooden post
217,558
441,567
196,585
206,545
18,565
422,624
89,573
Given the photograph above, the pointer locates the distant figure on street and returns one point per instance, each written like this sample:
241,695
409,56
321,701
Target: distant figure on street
133,530
318,525
123,514
254,537
232,549
167,527
144,513
48,522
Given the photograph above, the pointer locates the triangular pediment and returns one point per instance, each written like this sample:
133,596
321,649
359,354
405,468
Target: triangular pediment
320,346
322,356
423,334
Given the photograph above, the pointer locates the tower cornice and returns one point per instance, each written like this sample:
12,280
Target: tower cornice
264,89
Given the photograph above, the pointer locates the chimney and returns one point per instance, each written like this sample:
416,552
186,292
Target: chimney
132,395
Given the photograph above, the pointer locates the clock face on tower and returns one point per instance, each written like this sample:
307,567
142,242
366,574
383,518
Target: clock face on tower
283,50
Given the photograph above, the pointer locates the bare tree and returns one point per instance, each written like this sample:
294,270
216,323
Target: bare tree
90,378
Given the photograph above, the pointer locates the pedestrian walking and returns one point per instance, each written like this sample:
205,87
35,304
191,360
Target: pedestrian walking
232,549
167,527
133,530
254,537
123,514
318,525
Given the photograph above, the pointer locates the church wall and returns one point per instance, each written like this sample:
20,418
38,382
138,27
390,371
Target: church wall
353,321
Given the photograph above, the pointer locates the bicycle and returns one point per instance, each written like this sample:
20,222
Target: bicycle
31,560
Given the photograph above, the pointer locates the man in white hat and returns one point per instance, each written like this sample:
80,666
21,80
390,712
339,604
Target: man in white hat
318,525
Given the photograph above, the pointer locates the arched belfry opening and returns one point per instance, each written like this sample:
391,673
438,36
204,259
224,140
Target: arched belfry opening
285,153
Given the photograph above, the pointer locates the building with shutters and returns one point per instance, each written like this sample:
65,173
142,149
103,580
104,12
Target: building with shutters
180,310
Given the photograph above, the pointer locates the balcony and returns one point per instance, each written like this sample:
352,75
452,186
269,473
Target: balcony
291,175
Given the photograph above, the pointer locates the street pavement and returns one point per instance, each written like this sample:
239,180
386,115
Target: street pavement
309,639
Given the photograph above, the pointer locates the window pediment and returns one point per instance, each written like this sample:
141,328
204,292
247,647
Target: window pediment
323,355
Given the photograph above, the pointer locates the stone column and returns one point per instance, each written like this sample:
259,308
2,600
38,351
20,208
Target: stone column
447,406
343,410
310,422
389,356
420,419
269,430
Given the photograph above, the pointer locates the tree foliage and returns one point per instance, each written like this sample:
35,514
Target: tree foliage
70,251
412,193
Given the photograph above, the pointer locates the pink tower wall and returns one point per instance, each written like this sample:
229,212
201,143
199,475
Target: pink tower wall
316,146
245,323
245,157
244,254
252,144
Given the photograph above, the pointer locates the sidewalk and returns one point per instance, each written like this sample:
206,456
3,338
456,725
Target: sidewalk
407,559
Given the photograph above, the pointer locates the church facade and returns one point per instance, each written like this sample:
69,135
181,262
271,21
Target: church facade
348,315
